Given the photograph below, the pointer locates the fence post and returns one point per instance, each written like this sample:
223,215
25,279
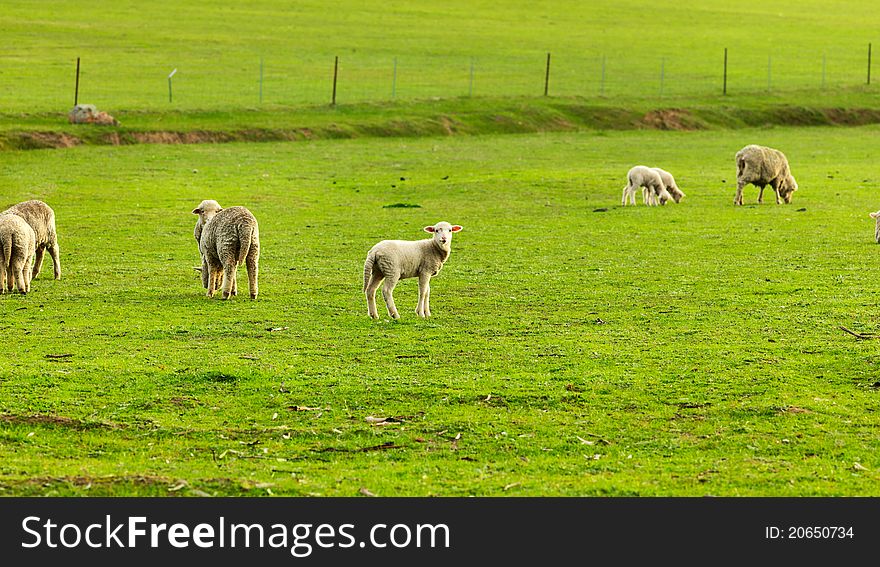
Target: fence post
547,76
261,80
471,83
394,80
724,88
335,74
869,63
602,84
76,91
171,74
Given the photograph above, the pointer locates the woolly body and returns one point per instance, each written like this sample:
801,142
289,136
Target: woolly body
41,219
762,166
642,176
17,245
394,260
229,238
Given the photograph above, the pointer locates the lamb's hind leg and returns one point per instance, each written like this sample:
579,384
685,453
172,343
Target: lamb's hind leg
18,269
761,195
38,261
56,260
26,274
370,292
252,262
387,294
228,278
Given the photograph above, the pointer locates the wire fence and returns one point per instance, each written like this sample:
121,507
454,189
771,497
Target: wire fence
181,82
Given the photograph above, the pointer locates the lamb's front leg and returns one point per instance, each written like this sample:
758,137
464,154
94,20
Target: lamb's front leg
761,195
428,298
424,289
738,199
776,190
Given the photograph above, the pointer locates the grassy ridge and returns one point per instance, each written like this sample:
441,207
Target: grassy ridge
577,347
439,118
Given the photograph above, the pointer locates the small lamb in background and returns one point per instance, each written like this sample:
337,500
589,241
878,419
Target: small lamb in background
17,245
876,217
227,238
41,218
642,176
669,184
394,260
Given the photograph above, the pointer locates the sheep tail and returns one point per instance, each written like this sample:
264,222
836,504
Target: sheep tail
368,269
246,238
7,253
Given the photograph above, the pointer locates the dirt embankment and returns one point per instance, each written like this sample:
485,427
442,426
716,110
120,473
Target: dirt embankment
522,119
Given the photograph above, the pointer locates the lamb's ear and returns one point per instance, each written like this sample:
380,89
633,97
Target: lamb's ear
197,211
875,215
429,229
456,228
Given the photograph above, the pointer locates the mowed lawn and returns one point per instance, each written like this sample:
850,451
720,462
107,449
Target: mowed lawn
576,347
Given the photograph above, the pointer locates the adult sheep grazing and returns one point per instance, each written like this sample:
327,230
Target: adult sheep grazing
227,238
17,245
762,166
394,260
669,183
41,218
642,176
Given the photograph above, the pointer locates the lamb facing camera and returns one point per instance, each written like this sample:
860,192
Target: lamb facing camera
394,260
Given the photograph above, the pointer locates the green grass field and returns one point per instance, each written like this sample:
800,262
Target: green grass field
576,347
683,350
443,49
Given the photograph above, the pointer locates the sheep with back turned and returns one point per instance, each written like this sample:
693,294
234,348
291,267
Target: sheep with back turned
17,245
227,238
41,219
394,260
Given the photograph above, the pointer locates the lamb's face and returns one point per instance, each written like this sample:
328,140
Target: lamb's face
443,233
676,193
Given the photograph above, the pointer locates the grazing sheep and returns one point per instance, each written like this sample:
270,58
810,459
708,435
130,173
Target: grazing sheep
641,176
394,260
41,218
668,183
227,238
762,166
876,217
17,244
